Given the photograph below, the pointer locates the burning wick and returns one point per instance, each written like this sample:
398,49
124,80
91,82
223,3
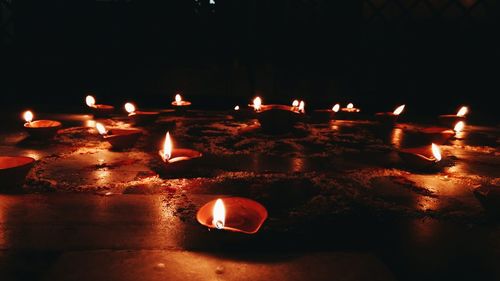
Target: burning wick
28,116
350,105
436,152
399,109
459,127
301,106
178,99
90,100
336,108
295,103
463,110
257,103
237,107
130,108
219,214
101,129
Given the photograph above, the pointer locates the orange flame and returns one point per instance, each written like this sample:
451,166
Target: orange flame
167,147
302,106
336,108
237,107
178,98
100,128
257,103
399,109
436,152
459,127
28,116
219,214
463,110
90,101
350,105
130,107
295,103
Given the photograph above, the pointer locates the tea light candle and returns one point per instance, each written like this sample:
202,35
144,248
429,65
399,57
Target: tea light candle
177,159
13,171
389,118
233,214
40,129
100,110
119,138
140,117
450,120
421,158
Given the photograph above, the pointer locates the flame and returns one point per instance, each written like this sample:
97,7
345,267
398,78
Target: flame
436,152
336,108
130,107
237,107
463,110
100,128
90,100
28,116
398,110
350,105
178,98
219,214
257,103
302,106
295,103
167,147
459,127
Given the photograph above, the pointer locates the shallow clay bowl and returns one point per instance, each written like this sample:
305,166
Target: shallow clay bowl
278,118
122,138
419,158
438,135
144,117
102,110
386,118
182,106
185,166
242,215
42,129
13,170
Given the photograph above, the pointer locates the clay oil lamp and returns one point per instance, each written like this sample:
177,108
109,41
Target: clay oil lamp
277,118
389,118
235,214
179,104
13,171
178,160
140,117
256,104
119,138
421,158
459,129
99,110
40,129
450,120
348,113
437,135
324,115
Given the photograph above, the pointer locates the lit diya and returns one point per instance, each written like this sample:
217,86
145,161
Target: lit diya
421,158
389,118
325,115
119,138
98,109
40,129
437,135
450,120
140,117
459,128
13,171
234,214
278,118
177,160
348,113
179,104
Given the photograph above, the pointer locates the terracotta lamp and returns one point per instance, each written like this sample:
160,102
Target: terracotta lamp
233,214
177,160
140,117
277,118
119,138
40,129
13,171
348,113
325,115
389,118
99,110
421,158
450,120
179,104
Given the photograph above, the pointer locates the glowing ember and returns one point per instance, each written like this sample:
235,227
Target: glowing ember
130,107
178,98
398,110
101,129
350,105
257,103
28,116
237,107
219,214
301,106
90,100
436,152
295,103
459,126
167,147
462,111
336,108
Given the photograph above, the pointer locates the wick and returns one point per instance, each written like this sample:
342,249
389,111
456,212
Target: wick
219,224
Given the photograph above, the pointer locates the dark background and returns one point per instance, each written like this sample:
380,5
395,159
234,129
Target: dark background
433,55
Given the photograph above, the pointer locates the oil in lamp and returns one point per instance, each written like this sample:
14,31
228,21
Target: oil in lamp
40,129
389,118
119,138
277,118
325,115
450,120
177,160
179,104
233,214
13,171
99,110
140,117
421,158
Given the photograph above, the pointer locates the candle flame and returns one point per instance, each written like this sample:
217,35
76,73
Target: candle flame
219,214
436,152
295,103
237,107
463,110
399,109
336,108
100,128
90,100
130,107
302,106
257,103
28,116
459,127
167,147
178,98
350,105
